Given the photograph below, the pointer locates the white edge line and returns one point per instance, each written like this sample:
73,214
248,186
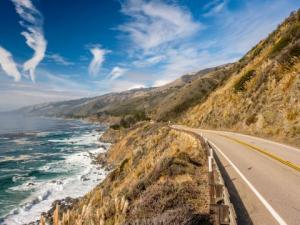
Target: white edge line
276,216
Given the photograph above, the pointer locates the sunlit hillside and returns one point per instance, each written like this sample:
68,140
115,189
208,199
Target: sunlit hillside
262,97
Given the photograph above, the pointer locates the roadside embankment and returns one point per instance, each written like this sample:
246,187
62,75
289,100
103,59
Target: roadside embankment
159,176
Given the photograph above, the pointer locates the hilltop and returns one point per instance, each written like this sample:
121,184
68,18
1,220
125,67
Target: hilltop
262,95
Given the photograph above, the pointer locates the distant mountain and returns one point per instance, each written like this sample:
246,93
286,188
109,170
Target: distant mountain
160,103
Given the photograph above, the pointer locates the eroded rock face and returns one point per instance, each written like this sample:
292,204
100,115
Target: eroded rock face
159,177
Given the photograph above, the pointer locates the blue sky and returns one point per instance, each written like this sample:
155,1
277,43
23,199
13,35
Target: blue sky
62,49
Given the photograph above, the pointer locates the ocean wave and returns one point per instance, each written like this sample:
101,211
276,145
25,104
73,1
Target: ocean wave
42,134
68,171
82,177
22,141
14,158
82,139
4,138
17,178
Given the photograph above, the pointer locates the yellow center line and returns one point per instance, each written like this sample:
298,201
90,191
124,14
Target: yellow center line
271,155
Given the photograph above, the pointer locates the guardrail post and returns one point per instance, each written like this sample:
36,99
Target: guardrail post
221,209
222,213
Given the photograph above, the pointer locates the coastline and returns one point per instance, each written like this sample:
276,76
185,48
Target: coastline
68,203
92,173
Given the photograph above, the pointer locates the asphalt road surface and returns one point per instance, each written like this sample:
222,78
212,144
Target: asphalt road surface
263,177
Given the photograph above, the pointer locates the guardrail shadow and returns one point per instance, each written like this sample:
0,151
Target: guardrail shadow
243,217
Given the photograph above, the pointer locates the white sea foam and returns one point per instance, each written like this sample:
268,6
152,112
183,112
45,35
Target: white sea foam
42,134
84,139
81,176
21,141
14,158
4,138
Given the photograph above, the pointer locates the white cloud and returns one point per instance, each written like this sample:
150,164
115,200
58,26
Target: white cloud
155,23
117,72
8,64
123,85
97,61
159,33
136,86
32,21
214,7
58,59
48,88
149,61
236,33
159,83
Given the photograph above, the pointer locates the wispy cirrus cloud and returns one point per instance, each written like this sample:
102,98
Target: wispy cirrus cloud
154,23
8,64
159,33
117,72
32,21
214,7
229,33
148,61
58,59
98,59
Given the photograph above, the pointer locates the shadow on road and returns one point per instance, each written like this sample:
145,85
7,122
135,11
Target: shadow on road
243,217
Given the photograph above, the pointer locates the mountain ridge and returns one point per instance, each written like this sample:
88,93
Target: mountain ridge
149,101
262,97
259,94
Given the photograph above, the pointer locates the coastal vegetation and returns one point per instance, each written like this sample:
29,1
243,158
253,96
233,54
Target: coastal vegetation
158,177
262,96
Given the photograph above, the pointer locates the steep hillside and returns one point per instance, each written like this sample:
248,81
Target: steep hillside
161,103
159,177
262,96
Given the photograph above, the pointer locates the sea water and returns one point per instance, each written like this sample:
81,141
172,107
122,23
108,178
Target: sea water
42,160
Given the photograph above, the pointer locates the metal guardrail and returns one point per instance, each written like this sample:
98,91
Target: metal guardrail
221,208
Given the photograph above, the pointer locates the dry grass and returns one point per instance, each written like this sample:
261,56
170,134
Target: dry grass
267,104
160,177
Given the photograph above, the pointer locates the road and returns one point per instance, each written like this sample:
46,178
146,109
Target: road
263,177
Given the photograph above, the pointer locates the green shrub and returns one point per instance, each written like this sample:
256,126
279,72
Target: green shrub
281,44
257,51
295,51
115,126
128,120
251,119
290,57
240,84
293,33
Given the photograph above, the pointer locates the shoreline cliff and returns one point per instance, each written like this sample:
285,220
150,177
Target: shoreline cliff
158,175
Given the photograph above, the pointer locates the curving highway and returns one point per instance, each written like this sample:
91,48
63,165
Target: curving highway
262,176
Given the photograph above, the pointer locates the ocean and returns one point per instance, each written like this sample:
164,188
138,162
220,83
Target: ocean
42,160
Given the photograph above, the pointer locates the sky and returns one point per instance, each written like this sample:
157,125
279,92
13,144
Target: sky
53,50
